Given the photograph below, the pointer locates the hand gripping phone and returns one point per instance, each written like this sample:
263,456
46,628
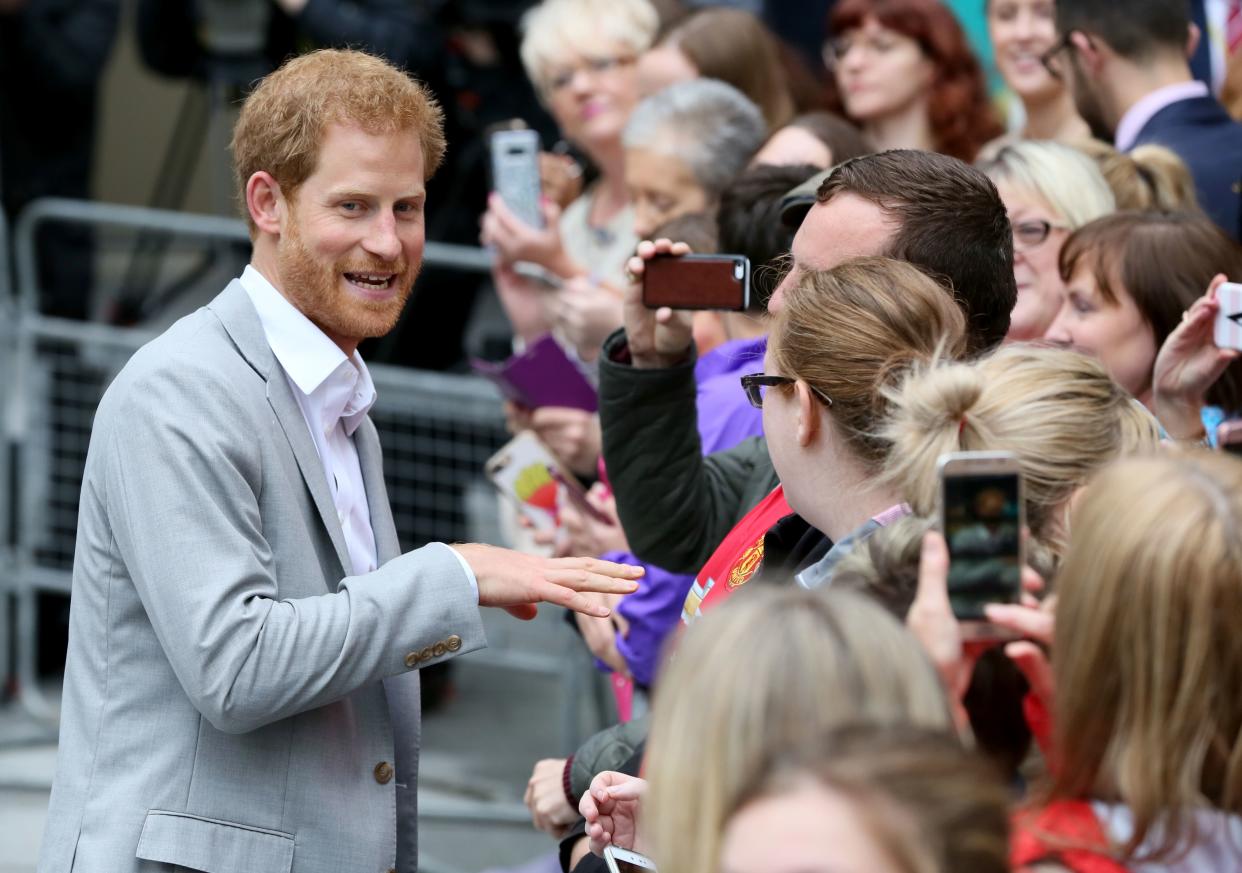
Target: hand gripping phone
982,516
697,282
625,861
515,173
1228,329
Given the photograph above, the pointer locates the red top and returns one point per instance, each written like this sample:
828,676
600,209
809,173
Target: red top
736,558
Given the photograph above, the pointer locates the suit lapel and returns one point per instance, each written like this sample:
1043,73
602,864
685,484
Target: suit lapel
293,423
371,460
237,314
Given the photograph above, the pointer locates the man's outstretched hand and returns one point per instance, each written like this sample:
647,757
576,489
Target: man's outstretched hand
516,582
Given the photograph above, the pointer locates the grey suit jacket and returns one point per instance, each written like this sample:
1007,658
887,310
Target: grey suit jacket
234,700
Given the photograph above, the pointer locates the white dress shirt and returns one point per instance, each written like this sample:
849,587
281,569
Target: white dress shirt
335,393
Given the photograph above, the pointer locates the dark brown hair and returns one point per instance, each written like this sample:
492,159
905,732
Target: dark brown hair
1136,29
749,223
734,46
961,117
843,139
953,226
1164,262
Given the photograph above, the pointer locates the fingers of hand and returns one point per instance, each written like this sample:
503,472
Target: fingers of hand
933,569
1033,624
601,567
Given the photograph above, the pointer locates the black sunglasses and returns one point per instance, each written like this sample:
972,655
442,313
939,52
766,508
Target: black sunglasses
1049,58
754,383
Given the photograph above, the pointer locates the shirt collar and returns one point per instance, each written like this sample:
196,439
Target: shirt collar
820,573
1137,116
310,358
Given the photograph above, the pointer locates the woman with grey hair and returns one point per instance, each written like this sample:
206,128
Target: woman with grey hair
683,145
1049,190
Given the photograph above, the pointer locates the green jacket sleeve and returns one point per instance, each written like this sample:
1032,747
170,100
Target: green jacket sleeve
675,505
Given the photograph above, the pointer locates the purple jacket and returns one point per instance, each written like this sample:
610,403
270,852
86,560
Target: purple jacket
725,419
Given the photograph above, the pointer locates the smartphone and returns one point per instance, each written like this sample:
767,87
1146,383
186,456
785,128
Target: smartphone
625,861
526,471
1228,332
982,517
697,282
578,497
515,173
1229,437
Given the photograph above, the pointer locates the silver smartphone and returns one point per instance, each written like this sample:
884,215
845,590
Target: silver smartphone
515,173
982,516
625,861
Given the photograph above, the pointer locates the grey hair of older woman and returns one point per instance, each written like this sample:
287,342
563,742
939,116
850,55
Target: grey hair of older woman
708,124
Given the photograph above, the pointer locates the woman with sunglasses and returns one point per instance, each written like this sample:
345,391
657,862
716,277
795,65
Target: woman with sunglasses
1049,190
841,338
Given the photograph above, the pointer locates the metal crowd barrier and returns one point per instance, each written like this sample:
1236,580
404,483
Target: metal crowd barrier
8,328
436,429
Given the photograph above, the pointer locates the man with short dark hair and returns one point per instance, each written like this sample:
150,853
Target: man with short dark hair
932,210
1128,69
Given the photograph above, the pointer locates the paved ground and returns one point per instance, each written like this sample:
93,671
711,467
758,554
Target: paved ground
480,748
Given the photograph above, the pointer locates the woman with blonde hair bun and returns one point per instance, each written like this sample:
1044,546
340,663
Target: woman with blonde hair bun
758,675
1057,410
1145,178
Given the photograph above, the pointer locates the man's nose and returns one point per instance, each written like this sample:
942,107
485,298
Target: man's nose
383,240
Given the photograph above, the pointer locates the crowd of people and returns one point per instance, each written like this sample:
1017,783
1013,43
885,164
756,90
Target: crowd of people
925,283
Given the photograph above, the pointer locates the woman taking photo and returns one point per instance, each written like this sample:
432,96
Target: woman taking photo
581,57
1129,279
906,75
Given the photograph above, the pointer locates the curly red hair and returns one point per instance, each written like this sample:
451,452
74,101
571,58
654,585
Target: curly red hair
962,119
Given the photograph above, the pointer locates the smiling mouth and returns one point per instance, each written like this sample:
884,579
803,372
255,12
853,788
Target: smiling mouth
371,282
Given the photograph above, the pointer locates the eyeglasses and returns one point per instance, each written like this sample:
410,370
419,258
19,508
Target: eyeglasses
1050,59
564,77
754,384
1029,234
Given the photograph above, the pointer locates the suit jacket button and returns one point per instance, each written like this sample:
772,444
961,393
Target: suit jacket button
411,660
426,654
383,772
453,643
439,650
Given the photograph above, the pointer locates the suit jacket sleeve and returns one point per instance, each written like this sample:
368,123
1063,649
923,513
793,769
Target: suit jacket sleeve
183,475
675,505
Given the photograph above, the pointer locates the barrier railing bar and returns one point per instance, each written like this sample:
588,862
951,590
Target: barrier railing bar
144,218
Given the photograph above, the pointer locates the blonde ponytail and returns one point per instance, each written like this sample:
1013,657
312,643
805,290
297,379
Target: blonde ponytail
1057,410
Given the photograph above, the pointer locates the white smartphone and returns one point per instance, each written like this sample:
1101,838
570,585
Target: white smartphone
515,173
1229,317
526,471
625,861
982,516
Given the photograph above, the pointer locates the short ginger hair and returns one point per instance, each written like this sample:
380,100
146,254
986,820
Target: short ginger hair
283,120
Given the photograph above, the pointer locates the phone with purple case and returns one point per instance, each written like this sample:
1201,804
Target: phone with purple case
542,375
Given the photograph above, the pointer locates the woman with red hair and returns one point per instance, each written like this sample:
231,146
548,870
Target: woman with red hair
905,73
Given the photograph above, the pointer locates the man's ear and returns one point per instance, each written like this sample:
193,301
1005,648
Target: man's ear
1193,35
809,422
265,202
1090,52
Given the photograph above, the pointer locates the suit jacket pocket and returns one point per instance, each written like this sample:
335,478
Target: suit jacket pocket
212,845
